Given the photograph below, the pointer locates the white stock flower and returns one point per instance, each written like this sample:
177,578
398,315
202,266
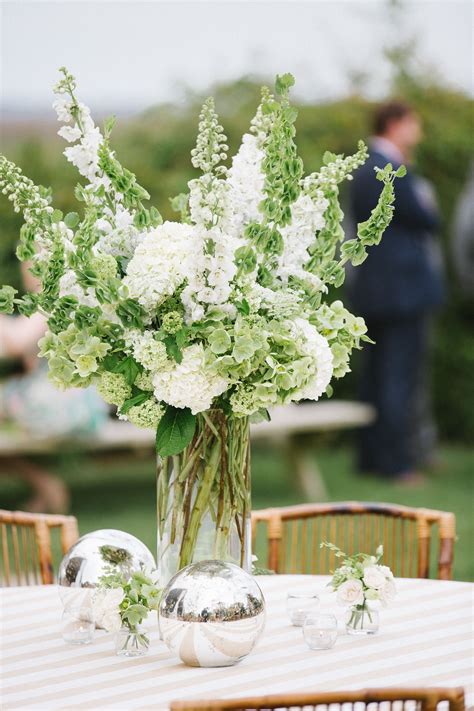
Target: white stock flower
62,105
245,180
209,272
374,577
190,383
160,264
70,133
351,592
84,155
307,218
317,347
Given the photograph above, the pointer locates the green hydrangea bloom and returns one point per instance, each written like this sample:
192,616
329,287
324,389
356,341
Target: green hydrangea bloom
113,388
172,322
105,266
144,381
148,414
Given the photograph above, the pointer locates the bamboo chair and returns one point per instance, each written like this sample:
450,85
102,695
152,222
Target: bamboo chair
26,555
372,699
294,534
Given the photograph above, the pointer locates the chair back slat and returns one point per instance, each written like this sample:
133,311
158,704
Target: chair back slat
26,546
390,699
410,537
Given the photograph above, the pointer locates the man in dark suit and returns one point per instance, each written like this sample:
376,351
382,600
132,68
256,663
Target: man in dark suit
396,290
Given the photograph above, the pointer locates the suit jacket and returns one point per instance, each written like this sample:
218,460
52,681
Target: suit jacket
399,277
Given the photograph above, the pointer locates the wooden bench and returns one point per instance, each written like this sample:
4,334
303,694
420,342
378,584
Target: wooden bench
288,429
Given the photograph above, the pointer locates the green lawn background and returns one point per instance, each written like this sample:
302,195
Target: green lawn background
119,491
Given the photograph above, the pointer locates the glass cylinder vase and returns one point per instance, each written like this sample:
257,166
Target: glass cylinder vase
131,642
362,620
203,497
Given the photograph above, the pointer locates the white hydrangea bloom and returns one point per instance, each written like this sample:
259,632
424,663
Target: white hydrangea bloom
119,237
307,218
146,349
190,383
317,347
160,264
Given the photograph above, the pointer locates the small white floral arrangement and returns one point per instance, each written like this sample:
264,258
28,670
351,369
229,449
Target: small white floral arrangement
360,581
124,601
227,308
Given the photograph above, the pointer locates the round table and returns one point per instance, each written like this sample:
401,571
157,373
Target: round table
424,640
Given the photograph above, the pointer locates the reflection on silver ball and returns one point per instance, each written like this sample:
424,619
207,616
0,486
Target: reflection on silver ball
87,560
212,614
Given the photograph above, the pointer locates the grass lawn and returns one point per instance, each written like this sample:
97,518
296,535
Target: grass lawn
119,492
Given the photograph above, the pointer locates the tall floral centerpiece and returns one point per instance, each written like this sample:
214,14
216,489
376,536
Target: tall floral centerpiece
192,327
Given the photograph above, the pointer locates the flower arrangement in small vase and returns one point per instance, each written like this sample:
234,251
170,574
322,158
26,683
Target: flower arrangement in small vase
121,604
360,582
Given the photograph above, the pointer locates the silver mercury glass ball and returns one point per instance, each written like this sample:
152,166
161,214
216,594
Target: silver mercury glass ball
95,554
211,614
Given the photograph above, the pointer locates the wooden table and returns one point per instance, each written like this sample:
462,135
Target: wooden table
424,640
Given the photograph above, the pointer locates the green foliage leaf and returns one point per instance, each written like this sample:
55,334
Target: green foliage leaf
71,220
175,431
243,307
172,349
109,123
133,401
128,367
329,157
56,216
260,416
283,83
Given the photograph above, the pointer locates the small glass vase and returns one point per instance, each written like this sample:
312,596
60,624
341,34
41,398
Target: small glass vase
131,642
203,497
362,620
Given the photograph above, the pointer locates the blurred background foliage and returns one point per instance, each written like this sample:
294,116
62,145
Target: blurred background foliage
156,145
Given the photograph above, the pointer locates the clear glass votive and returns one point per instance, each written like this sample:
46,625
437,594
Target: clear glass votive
78,626
299,605
320,631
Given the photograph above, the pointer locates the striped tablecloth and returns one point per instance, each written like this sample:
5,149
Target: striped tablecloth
424,639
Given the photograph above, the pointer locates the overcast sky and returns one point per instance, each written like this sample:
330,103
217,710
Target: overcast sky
132,54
